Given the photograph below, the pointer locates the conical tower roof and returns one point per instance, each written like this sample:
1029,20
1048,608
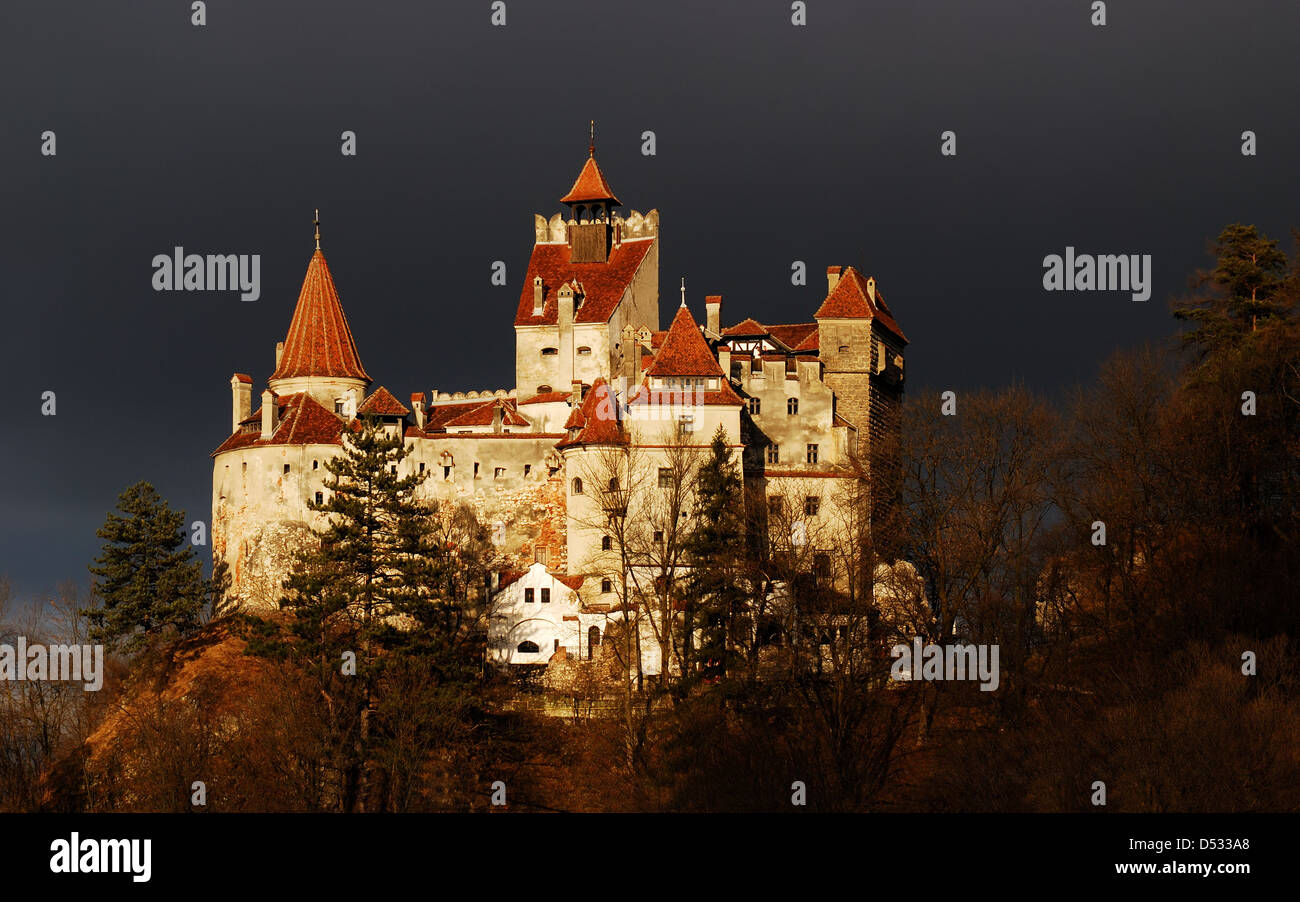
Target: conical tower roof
319,342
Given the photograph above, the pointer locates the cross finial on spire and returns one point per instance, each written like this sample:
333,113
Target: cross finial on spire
591,146
316,222
683,291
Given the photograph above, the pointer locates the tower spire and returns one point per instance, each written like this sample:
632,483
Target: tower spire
591,145
683,291
316,222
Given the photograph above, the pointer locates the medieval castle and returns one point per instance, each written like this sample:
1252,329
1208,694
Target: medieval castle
596,382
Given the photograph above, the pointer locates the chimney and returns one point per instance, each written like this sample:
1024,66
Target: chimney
576,397
279,352
270,414
539,296
833,277
713,313
241,397
724,360
417,405
498,414
565,317
350,404
871,288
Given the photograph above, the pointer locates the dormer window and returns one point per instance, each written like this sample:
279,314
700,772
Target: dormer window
550,352
543,389
584,351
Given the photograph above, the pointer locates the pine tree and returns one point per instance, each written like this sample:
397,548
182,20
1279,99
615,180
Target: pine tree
375,594
150,582
715,549
1248,286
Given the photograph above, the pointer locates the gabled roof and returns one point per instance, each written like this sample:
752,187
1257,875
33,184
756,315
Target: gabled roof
303,421
792,335
381,403
747,327
591,185
603,284
595,421
851,300
684,351
319,342
483,414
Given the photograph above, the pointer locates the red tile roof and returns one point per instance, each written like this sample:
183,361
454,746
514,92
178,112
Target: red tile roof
684,352
591,185
381,403
243,377
792,335
746,327
595,422
603,283
483,414
811,343
303,421
850,300
319,342
548,397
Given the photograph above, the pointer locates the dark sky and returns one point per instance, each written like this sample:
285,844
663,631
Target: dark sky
775,144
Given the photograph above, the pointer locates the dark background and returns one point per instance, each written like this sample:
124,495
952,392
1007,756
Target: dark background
775,144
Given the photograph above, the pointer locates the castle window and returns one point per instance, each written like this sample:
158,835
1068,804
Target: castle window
446,473
421,468
584,351
499,473
844,349
659,535
338,407
593,640
811,505
607,585
550,352
613,484
755,406
606,543
792,406
476,469
665,477
577,485
320,498
393,469
528,648
315,464
543,389
812,454
687,422
822,565
528,596
756,365
528,468
546,596
774,454
286,468
774,505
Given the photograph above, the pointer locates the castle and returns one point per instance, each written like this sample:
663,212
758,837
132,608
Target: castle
600,391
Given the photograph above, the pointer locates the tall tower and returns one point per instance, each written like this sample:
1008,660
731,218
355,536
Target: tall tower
318,356
861,350
592,272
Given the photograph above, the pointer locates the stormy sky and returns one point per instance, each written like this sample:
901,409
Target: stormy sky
774,143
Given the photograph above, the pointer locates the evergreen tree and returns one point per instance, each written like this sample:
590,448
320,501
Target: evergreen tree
377,588
1248,286
715,550
150,581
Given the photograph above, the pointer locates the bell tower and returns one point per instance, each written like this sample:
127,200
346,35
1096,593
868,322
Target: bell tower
591,201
